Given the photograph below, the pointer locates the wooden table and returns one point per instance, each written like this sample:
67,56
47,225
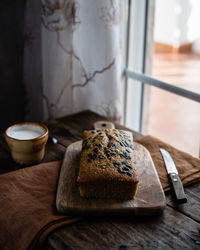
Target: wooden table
177,228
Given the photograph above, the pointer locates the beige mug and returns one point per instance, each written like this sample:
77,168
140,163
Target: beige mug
27,142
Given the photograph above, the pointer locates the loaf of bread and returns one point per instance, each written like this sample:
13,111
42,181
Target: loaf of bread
107,168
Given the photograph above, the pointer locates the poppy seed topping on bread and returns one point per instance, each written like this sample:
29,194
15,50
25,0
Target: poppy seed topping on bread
107,168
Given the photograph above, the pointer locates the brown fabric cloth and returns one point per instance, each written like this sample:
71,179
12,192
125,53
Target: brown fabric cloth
27,197
188,166
27,207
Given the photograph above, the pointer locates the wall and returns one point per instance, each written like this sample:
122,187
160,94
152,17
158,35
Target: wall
177,21
164,21
12,94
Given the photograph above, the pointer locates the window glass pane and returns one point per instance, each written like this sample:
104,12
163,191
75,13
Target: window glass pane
175,120
182,70
177,43
176,60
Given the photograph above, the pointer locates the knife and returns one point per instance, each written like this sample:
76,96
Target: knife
173,176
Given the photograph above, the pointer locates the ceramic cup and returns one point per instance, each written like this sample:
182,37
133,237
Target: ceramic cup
27,142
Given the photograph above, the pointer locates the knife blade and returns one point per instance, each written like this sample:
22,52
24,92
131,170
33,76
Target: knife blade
173,176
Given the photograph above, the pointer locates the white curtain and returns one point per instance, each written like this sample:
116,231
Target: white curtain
73,57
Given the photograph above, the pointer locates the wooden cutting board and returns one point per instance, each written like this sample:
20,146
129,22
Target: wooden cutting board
149,200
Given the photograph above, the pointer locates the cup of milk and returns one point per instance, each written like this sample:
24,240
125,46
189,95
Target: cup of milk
27,142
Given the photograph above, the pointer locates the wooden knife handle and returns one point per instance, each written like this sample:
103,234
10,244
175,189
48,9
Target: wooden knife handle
178,188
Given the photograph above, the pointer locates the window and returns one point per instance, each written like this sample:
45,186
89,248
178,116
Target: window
140,84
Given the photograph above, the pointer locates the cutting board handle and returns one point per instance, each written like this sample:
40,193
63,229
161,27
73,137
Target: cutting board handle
103,125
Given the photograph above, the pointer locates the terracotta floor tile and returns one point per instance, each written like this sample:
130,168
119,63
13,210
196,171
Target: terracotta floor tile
175,119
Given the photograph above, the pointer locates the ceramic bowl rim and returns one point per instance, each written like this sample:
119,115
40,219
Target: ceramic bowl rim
41,125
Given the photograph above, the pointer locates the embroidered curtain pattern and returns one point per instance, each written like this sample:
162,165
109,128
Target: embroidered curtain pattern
72,59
